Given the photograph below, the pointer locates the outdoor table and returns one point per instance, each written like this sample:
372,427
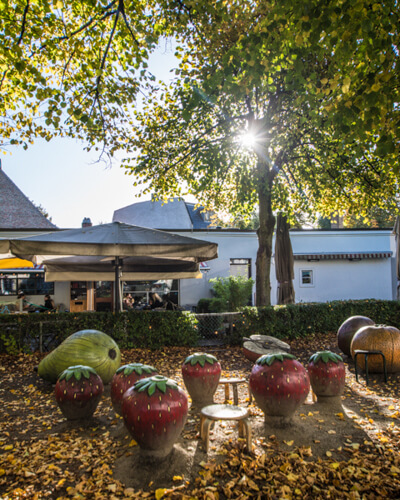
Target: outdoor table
234,382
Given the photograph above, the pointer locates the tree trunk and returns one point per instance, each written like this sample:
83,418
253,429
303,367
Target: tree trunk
265,233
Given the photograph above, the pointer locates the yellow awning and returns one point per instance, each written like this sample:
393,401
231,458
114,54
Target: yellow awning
15,263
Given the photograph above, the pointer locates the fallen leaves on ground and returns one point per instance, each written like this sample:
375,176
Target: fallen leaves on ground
44,456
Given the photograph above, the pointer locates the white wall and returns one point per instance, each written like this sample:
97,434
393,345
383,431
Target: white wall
333,279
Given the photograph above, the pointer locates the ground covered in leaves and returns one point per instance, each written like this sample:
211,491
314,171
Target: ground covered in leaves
349,449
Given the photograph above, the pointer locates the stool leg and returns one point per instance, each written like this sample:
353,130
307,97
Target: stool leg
355,365
235,395
202,418
226,392
206,433
366,369
246,425
250,395
241,429
384,367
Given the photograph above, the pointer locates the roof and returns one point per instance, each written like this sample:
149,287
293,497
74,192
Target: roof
155,214
16,210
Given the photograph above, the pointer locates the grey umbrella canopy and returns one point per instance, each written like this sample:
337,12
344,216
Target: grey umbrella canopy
284,261
90,251
396,231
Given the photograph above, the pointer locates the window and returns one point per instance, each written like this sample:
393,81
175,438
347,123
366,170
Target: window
30,283
240,267
140,290
306,277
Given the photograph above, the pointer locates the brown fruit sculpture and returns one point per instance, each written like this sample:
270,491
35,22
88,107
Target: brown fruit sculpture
348,329
78,391
201,373
378,338
327,374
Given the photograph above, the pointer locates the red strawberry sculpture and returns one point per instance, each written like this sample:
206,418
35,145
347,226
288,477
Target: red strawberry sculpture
201,373
155,411
78,391
327,374
279,384
125,377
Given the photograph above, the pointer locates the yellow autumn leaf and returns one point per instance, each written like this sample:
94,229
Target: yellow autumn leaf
133,443
160,492
2,472
335,465
8,447
289,443
61,482
292,477
328,454
177,478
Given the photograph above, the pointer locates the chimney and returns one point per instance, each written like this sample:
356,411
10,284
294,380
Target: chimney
87,222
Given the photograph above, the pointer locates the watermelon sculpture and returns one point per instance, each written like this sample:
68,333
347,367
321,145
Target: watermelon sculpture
86,347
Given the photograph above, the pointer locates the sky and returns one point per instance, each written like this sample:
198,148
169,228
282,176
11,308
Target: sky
66,180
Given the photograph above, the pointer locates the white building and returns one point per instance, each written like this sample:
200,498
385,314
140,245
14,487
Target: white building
337,264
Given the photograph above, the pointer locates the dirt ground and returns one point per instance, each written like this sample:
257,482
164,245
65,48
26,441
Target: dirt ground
44,456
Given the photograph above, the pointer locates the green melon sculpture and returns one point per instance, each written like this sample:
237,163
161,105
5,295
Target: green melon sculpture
86,347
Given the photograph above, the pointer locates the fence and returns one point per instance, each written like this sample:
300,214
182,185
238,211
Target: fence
216,328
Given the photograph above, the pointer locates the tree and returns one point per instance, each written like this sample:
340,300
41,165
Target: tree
73,68
315,83
280,73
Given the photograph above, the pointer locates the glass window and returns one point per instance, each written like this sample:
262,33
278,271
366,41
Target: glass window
240,267
306,277
140,290
29,283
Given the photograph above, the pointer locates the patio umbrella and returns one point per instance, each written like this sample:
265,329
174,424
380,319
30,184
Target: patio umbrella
284,262
396,231
111,247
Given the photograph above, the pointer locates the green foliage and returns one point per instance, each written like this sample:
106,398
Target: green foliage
130,330
231,294
300,320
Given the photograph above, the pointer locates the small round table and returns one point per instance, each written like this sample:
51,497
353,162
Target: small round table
234,382
215,412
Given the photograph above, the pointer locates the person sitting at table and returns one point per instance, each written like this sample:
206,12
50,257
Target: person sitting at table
24,304
155,300
48,304
128,301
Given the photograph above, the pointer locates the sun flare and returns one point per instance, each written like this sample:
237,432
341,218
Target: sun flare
247,139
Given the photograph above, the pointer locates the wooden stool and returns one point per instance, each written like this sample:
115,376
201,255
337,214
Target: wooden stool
234,382
212,413
365,353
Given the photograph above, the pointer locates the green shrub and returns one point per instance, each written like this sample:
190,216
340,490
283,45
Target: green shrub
22,333
299,320
230,294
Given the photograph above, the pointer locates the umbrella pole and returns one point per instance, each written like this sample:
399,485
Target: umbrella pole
117,285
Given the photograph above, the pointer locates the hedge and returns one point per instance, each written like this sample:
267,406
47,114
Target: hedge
299,320
21,333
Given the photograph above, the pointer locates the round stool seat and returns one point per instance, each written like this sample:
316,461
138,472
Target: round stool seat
224,412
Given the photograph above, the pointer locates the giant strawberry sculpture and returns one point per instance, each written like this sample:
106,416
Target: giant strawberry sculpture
279,384
78,391
155,411
125,377
201,373
327,374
